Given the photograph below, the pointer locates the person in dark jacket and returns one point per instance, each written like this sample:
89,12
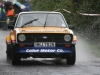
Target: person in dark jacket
7,5
2,16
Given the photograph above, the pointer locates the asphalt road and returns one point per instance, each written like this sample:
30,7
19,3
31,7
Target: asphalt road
86,63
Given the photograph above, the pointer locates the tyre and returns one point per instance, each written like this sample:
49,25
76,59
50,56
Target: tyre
9,52
15,57
72,58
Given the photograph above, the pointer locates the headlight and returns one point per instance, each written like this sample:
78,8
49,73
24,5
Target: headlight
67,38
21,37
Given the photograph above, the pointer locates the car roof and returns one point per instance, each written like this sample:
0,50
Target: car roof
39,12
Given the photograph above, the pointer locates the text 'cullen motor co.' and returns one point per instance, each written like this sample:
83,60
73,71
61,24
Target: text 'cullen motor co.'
44,50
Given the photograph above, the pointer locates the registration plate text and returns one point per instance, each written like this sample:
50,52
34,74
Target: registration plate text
44,44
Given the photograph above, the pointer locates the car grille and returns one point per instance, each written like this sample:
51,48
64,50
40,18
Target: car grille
30,38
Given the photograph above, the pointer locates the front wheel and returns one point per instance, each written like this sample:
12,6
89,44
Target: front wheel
15,58
9,52
72,58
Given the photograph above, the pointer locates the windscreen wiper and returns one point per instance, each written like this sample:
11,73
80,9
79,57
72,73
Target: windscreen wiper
45,21
29,22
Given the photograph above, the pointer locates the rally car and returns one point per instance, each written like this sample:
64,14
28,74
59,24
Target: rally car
41,34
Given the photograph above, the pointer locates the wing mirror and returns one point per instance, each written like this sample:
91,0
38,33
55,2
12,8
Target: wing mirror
71,26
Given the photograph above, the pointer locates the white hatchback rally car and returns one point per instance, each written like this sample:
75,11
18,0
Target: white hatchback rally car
41,34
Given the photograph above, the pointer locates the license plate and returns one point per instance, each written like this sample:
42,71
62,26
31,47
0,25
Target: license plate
44,44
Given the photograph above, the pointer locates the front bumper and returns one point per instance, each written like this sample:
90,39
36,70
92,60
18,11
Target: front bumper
31,49
59,51
44,50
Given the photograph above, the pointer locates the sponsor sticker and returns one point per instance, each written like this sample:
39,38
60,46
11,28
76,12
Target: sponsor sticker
45,50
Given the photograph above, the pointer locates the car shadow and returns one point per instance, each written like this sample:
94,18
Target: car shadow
43,62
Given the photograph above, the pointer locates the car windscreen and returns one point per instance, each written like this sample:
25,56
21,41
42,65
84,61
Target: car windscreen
51,19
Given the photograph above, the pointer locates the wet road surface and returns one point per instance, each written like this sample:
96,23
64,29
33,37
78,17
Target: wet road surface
86,63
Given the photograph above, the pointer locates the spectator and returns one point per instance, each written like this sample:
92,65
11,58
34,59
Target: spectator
2,16
10,15
7,5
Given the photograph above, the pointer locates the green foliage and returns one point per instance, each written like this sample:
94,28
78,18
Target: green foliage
75,6
48,5
21,1
0,0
